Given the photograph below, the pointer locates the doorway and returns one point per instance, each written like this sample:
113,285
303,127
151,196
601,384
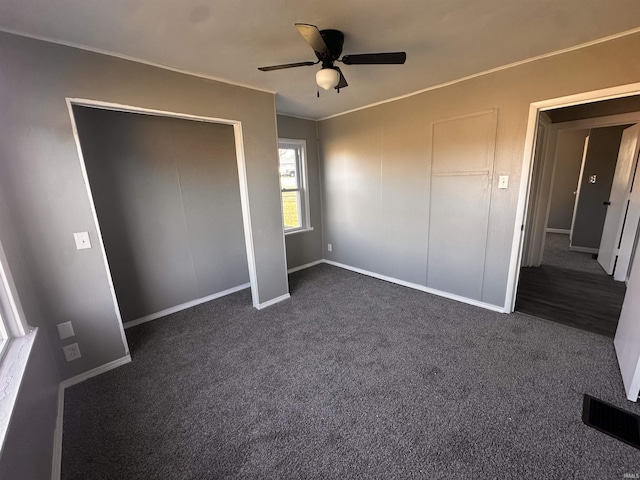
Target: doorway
609,107
625,342
142,167
562,279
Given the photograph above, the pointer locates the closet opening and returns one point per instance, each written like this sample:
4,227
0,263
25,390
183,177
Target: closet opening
169,200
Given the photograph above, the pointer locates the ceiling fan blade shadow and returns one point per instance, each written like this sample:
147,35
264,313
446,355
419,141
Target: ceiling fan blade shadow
286,65
312,36
342,83
390,58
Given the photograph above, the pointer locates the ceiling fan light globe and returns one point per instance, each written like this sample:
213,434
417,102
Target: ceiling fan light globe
327,78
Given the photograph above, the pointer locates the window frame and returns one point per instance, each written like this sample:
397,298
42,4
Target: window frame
300,147
16,345
12,324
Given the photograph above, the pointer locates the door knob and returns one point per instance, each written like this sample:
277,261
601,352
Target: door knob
607,203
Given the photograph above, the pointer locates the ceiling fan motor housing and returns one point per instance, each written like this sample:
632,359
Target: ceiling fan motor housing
334,39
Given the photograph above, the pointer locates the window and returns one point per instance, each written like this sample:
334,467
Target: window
15,346
10,309
293,184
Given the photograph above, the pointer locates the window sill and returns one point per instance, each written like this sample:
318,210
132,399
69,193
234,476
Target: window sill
302,230
12,368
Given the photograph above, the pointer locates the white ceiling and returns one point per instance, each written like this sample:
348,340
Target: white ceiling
228,39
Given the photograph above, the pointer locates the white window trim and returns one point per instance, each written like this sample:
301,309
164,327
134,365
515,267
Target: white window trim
298,230
305,215
11,313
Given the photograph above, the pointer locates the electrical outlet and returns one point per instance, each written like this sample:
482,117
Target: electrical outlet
71,352
329,247
65,330
503,181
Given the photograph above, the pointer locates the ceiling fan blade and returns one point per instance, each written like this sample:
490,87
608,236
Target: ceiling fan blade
342,83
391,58
312,36
286,65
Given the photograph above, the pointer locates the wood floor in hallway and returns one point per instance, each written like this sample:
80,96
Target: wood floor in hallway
587,301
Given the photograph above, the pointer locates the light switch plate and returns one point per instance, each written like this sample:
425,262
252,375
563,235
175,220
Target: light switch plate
82,240
503,181
65,330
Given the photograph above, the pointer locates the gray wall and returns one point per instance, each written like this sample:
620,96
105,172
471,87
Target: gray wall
568,158
27,450
28,447
42,183
376,166
168,201
602,154
305,247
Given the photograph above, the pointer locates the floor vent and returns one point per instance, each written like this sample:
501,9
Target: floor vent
611,420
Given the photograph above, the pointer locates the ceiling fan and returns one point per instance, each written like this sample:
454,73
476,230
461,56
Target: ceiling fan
327,45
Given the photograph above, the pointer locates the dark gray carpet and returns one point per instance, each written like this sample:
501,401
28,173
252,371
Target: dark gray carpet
351,378
557,254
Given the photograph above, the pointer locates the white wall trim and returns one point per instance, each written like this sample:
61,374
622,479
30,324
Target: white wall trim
57,435
246,211
273,301
525,177
306,265
121,107
56,466
96,371
301,230
583,249
133,59
493,70
184,306
564,231
94,214
416,286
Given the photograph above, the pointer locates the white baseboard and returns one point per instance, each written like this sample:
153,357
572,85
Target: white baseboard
96,371
273,301
422,288
559,230
583,249
184,306
306,265
56,465
57,435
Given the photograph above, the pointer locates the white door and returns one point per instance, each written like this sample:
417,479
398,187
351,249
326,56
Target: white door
629,234
577,192
618,198
627,339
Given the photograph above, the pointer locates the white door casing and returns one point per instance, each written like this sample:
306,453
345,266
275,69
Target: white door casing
620,190
577,198
535,109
